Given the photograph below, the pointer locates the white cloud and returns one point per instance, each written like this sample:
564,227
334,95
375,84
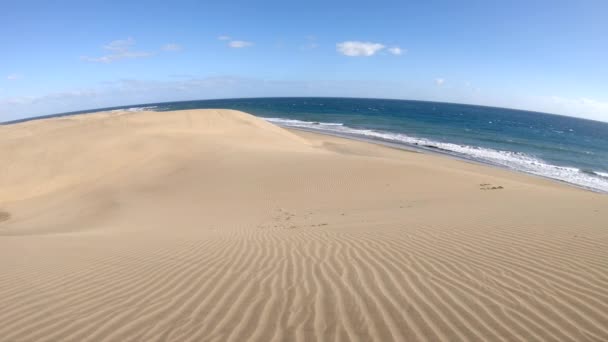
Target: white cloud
119,49
14,77
439,81
235,43
356,48
395,50
172,47
120,44
239,44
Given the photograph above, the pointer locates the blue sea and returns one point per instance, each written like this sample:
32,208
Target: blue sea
562,148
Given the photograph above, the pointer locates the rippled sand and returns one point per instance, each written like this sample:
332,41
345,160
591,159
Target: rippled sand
213,225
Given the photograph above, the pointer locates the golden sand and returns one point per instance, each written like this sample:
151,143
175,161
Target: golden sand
213,225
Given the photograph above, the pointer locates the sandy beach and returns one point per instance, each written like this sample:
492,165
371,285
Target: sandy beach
214,225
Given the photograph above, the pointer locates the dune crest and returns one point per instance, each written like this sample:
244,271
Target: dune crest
43,156
214,225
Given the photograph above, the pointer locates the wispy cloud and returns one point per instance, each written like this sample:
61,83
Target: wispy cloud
235,43
357,49
14,77
48,98
439,81
311,43
172,47
239,44
395,50
118,50
181,76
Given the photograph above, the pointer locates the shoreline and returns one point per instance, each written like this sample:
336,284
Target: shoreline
437,152
396,145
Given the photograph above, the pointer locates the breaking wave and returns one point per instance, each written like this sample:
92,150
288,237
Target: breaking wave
513,160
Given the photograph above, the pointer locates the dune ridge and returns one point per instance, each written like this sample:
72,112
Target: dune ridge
213,225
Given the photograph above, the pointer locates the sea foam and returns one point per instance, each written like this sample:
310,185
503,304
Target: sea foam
519,161
136,109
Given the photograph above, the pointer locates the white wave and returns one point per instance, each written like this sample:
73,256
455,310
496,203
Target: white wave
513,160
603,174
299,123
136,109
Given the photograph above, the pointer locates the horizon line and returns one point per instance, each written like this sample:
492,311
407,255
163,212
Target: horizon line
101,109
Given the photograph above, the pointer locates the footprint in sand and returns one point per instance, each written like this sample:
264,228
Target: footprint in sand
4,216
284,219
281,220
488,186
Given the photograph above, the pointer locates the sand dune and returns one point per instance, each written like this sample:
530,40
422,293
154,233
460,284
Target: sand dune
213,225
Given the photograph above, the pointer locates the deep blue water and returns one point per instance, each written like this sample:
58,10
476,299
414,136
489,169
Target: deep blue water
564,148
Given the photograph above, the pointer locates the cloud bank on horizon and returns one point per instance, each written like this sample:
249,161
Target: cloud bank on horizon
505,57
126,92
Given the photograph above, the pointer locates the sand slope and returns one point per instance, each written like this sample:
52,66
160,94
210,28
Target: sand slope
212,225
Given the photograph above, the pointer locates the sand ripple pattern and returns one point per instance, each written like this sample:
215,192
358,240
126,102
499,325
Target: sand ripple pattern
179,231
310,283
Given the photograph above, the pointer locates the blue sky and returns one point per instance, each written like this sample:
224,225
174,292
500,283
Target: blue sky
61,56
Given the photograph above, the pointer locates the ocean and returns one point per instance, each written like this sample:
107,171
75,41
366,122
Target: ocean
563,148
